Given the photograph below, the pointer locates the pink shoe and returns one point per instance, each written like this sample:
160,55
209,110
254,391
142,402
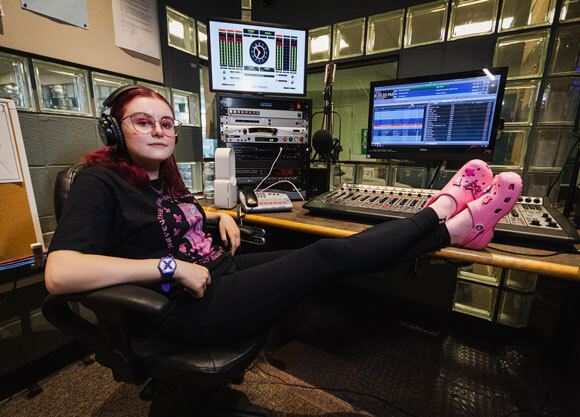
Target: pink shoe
487,210
466,185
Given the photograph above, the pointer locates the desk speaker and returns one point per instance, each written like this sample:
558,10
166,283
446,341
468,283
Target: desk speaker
225,184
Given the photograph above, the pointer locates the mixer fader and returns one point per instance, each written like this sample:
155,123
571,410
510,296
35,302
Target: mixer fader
532,220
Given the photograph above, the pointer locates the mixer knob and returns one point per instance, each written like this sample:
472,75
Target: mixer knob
552,224
520,200
528,200
537,200
536,222
545,215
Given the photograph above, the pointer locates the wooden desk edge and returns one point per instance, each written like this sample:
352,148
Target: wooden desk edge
457,254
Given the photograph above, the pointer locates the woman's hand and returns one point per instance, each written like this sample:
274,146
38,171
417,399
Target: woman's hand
193,277
229,232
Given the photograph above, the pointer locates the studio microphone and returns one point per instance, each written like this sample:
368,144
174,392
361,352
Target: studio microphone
322,143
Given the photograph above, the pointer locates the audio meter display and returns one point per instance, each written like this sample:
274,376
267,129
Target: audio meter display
257,59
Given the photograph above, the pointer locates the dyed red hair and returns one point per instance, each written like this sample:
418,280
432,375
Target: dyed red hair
122,164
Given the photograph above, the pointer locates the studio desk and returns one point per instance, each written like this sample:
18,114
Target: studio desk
561,265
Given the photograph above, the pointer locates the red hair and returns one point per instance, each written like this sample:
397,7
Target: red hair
122,163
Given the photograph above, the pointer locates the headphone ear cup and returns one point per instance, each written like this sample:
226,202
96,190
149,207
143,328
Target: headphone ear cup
105,131
119,137
111,133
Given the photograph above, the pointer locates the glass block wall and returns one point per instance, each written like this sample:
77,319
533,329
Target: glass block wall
539,40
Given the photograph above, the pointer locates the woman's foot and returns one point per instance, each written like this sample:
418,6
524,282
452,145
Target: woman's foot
459,226
473,227
444,206
466,185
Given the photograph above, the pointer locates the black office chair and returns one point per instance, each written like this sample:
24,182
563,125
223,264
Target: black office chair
122,341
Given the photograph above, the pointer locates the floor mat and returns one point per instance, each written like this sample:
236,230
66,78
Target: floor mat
390,362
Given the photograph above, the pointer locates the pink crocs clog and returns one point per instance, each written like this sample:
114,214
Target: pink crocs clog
487,210
466,185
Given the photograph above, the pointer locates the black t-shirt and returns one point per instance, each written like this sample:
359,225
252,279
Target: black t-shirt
105,215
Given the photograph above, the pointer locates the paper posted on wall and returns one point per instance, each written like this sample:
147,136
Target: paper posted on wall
136,26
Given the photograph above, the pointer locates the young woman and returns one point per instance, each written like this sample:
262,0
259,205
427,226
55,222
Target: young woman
130,219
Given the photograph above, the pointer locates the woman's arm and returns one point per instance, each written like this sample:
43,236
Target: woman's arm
229,230
213,217
71,271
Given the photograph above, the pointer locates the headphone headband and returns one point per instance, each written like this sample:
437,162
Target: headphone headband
113,97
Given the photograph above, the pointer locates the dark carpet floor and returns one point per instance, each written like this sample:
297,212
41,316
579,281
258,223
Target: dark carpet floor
335,357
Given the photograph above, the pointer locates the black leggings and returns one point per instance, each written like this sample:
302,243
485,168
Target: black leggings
261,287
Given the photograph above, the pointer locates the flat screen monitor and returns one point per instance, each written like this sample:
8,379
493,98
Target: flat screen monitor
443,117
254,58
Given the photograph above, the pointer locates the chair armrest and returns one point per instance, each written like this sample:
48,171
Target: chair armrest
118,299
126,298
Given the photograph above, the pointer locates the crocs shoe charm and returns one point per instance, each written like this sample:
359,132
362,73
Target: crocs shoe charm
474,187
486,199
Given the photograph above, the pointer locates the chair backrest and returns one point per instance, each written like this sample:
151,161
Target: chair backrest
64,180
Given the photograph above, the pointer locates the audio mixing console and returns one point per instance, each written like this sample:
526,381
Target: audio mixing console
532,221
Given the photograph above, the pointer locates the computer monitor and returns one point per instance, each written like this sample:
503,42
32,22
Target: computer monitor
247,57
442,117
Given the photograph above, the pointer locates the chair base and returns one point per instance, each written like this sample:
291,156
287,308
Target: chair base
186,400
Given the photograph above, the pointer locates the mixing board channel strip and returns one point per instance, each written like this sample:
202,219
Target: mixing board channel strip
532,221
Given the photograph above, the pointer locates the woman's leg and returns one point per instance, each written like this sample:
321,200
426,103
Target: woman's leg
246,301
250,260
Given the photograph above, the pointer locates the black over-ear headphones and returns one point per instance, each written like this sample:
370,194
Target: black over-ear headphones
109,127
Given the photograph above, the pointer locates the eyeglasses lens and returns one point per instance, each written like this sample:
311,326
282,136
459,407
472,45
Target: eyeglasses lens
144,123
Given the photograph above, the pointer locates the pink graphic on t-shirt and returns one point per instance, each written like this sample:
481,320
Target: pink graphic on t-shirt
195,235
182,227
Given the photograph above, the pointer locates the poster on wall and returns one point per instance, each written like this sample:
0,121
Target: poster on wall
137,27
